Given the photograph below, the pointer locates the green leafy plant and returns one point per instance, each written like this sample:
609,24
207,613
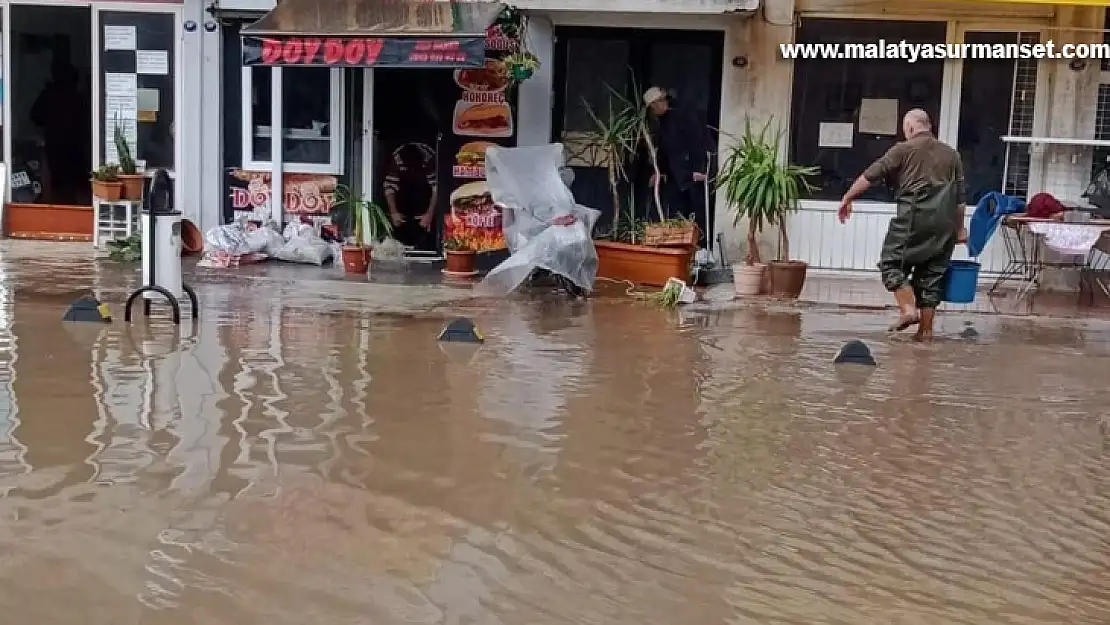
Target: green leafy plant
106,173
522,60
761,187
458,243
127,164
126,250
669,296
360,216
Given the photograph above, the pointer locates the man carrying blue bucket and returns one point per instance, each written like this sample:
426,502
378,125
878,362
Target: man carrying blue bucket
928,179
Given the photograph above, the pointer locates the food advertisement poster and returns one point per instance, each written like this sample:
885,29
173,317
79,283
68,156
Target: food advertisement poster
311,195
483,117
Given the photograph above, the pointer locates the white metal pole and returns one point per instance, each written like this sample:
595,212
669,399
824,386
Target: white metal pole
277,162
6,121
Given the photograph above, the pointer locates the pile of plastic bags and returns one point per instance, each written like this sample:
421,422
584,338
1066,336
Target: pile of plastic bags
248,242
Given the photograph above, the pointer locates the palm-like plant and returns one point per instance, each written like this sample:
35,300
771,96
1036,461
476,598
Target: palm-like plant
614,136
760,187
617,136
361,216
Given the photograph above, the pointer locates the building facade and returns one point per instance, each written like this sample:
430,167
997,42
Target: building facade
1023,125
72,72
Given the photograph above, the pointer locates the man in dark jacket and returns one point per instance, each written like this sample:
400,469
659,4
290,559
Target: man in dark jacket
683,155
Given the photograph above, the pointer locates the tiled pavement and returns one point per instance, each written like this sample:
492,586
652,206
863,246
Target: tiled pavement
866,291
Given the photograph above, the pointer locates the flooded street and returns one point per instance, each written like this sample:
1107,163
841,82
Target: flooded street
295,459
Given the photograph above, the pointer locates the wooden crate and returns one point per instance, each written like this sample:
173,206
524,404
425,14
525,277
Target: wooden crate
669,235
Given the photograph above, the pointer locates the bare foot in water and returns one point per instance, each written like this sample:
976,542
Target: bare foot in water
906,320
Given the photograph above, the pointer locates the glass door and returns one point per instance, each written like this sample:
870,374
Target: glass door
996,98
137,52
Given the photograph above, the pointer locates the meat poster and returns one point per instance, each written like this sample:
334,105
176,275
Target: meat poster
483,109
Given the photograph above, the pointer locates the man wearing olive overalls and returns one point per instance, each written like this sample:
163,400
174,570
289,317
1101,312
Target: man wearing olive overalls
929,181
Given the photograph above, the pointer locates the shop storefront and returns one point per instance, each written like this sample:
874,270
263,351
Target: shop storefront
1021,125
72,73
401,99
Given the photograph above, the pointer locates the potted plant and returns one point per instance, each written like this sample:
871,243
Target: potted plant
521,65
367,222
106,184
129,171
763,189
461,256
616,139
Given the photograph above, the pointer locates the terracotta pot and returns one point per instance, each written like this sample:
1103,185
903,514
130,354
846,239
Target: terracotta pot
748,279
639,264
461,261
132,186
108,191
356,259
788,277
192,241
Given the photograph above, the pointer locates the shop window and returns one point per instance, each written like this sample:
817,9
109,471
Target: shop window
312,136
832,92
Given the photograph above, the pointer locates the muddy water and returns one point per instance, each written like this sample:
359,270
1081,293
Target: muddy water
600,464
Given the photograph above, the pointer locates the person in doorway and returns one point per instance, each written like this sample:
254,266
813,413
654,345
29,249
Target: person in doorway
928,181
411,192
61,110
684,156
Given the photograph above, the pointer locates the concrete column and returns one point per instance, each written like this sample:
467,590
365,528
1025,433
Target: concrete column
535,100
188,122
210,166
759,91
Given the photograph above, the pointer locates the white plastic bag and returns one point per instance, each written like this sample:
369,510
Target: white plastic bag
544,228
302,245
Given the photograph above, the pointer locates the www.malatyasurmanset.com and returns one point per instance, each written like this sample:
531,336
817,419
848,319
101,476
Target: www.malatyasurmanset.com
913,52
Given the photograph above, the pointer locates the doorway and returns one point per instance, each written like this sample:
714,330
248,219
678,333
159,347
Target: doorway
412,119
51,104
591,63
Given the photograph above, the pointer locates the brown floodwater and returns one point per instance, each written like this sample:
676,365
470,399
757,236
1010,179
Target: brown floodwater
288,462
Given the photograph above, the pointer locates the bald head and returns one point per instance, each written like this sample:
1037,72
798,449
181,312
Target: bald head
916,122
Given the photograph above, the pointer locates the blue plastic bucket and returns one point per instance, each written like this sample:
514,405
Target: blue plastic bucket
960,281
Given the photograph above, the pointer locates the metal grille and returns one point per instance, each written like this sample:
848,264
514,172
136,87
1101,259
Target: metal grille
1021,120
1102,128
1105,64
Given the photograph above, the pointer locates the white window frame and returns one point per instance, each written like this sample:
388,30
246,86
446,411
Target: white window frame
335,128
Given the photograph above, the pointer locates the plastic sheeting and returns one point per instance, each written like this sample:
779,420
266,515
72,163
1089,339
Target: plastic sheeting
544,227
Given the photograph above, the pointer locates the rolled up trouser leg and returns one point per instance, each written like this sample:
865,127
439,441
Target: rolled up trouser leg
893,273
892,258
928,280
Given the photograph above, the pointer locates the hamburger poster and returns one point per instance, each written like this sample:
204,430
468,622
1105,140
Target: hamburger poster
474,218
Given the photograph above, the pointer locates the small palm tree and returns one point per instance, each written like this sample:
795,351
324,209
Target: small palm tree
760,187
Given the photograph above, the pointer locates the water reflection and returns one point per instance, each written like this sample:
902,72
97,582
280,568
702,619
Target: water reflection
283,463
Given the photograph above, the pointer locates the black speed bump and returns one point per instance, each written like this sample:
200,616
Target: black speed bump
854,352
461,330
88,309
